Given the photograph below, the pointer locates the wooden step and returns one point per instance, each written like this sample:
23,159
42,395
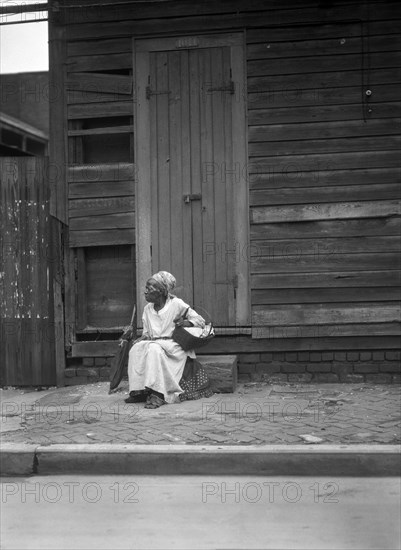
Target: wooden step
222,371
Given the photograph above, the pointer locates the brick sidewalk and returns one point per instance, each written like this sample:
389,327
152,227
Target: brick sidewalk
258,413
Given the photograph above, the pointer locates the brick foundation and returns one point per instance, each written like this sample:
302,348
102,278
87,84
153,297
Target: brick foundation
87,370
378,367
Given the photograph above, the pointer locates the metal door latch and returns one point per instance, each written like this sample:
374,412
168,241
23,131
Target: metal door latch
193,197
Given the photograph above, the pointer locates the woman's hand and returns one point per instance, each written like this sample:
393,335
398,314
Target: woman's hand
181,322
128,333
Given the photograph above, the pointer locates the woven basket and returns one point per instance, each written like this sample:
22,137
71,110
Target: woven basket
188,341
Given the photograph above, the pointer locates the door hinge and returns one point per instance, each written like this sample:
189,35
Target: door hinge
150,92
230,87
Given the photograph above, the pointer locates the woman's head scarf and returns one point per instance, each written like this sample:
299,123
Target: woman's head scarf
166,281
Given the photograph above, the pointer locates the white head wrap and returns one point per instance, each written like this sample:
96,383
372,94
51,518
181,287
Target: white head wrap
166,281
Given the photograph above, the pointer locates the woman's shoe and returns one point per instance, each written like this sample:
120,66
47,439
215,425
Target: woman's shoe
136,398
154,402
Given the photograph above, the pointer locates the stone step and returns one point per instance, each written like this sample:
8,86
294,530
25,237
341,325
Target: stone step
222,371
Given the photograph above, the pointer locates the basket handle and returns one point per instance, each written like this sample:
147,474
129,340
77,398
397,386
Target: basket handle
211,324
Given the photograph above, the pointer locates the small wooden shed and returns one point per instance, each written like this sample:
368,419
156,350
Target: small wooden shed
250,147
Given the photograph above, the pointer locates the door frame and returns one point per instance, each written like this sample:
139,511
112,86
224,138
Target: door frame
143,235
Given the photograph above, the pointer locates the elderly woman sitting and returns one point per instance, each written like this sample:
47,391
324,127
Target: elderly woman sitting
156,362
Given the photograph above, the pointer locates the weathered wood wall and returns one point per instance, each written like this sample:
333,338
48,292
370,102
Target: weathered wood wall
31,332
323,153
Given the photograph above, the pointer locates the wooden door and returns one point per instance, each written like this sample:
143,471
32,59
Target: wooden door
192,190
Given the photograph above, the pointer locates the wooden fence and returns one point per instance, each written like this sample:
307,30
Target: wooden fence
31,335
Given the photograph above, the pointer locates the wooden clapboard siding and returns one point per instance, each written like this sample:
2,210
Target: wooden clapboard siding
331,279
276,135
319,177
109,22
101,196
99,83
324,179
319,194
323,165
101,204
101,62
97,207
106,237
328,295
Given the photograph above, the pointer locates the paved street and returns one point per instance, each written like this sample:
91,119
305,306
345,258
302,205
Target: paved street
193,512
257,414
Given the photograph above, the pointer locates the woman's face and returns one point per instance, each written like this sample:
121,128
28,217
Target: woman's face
153,292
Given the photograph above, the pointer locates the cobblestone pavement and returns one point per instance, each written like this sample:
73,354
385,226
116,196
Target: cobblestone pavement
258,413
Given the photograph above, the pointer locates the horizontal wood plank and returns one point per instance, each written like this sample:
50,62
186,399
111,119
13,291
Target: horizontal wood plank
99,206
325,295
305,195
312,146
102,131
100,62
86,173
364,227
323,247
335,211
325,262
284,133
324,331
103,221
304,314
74,97
312,83
101,237
311,174
98,110
275,98
329,30
319,63
320,113
329,279
100,189
232,19
90,47
321,47
100,83
245,344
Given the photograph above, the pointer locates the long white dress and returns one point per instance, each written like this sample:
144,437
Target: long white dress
155,363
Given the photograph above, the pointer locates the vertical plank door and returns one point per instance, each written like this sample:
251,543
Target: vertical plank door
192,189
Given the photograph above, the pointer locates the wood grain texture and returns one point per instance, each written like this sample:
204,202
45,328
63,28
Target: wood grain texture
323,314
327,295
99,83
281,133
335,211
98,110
325,262
102,205
246,344
227,18
316,195
29,301
327,279
322,170
101,237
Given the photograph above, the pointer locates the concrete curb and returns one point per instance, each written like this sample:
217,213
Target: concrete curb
17,459
269,460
